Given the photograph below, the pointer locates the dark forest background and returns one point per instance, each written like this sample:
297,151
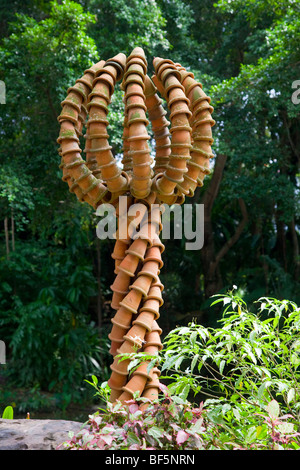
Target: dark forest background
55,275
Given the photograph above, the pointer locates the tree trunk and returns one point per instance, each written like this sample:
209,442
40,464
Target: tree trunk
6,236
281,240
295,244
211,259
99,296
212,277
12,219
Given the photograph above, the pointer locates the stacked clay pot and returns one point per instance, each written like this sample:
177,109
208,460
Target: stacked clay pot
168,74
76,173
182,132
201,122
134,86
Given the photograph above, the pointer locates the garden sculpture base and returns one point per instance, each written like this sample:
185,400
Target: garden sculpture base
182,159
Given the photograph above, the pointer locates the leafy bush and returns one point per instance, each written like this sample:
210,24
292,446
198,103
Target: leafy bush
174,424
52,342
252,357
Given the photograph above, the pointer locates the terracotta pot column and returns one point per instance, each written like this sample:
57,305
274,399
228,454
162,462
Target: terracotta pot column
139,306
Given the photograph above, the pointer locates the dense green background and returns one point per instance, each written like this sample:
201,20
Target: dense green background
54,273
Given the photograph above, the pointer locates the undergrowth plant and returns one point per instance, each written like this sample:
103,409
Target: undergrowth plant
246,374
171,423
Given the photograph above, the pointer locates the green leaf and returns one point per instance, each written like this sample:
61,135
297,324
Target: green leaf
156,432
236,413
286,428
251,435
185,391
262,389
273,409
221,366
197,426
193,338
291,395
132,438
258,431
178,362
95,380
194,362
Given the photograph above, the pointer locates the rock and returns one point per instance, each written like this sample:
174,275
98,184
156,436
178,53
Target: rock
35,434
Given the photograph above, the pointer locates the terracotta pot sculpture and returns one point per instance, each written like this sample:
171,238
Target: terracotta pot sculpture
182,154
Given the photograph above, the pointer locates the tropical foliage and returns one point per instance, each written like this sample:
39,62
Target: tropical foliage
246,374
55,275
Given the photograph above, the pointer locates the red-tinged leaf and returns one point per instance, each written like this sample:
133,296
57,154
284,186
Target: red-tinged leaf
181,437
107,438
133,408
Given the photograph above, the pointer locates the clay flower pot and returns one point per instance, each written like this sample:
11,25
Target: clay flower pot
156,327
127,347
117,297
143,370
151,394
151,305
67,131
154,254
119,250
117,264
135,384
134,220
114,346
155,293
136,335
155,217
122,317
74,99
125,396
145,319
117,333
122,209
117,381
121,369
132,300
147,232
114,395
129,264
151,269
151,349
142,284
138,248
164,64
164,186
119,62
121,282
153,339
134,86
157,242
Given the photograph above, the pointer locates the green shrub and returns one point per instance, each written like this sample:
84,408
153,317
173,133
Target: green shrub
173,424
52,342
251,357
247,371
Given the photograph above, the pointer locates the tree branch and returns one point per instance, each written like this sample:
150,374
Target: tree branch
287,127
225,248
214,185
